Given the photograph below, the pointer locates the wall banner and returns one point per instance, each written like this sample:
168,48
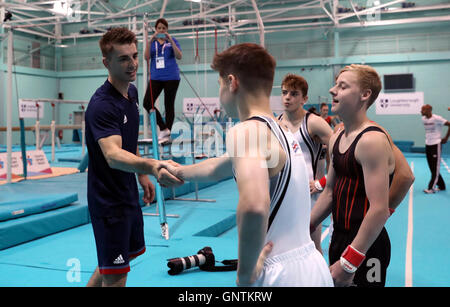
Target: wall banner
28,109
399,103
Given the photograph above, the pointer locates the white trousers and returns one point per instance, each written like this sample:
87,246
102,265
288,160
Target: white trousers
300,267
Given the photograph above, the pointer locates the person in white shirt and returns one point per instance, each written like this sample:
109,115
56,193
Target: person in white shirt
433,140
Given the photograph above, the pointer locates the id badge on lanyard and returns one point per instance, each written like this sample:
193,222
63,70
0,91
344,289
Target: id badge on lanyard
159,59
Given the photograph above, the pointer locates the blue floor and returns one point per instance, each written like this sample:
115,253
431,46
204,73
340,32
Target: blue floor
44,262
54,260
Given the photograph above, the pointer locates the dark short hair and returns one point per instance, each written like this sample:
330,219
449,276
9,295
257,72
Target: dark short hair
120,36
251,63
296,82
163,21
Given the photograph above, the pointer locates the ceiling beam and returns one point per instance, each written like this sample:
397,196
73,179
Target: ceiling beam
284,10
397,21
163,9
322,4
369,10
35,18
115,15
260,24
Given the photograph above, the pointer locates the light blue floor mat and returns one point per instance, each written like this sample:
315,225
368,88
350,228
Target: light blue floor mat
49,261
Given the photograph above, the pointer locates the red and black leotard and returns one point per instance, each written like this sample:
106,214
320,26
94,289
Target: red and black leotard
350,205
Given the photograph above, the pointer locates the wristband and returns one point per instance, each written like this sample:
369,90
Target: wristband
317,185
320,184
347,266
323,181
351,259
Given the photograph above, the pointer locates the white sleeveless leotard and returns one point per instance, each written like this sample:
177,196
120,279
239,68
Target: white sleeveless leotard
294,260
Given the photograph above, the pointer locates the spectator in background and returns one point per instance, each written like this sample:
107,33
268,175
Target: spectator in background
324,114
313,110
163,51
433,129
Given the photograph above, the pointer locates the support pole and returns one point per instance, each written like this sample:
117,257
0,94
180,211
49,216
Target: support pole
9,108
336,44
23,148
159,193
53,130
37,127
144,79
83,131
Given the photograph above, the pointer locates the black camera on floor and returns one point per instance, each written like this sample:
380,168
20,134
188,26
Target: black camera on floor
204,259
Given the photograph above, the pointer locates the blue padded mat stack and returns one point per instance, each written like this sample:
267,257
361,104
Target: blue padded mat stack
27,216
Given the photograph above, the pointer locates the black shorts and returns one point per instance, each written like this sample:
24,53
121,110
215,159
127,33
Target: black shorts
118,239
372,272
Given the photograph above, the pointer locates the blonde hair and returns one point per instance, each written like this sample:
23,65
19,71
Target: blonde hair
368,78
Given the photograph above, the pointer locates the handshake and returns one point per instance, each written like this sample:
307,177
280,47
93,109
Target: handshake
168,174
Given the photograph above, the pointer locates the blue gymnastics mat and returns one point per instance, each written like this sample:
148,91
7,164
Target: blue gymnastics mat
19,205
27,216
